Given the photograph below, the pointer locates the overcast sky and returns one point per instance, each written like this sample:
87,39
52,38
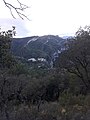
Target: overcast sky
57,17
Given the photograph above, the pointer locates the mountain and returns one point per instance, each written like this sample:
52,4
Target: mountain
38,48
67,37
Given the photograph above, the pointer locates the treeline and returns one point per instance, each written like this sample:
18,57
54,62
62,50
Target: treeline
60,93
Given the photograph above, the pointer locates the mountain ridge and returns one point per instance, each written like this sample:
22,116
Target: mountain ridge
45,47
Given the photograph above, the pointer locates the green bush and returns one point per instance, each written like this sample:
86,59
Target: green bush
18,69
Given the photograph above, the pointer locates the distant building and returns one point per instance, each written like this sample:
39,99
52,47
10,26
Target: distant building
42,59
32,60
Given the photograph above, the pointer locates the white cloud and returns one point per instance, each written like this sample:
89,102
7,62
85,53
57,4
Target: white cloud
21,29
52,16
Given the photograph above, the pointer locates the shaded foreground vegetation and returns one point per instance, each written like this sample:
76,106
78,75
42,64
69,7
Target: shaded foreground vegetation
60,93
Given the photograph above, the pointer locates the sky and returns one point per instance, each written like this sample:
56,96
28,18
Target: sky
47,17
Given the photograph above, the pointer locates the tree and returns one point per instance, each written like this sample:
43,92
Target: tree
76,59
5,45
18,10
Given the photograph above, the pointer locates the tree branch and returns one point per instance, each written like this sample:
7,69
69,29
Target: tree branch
18,10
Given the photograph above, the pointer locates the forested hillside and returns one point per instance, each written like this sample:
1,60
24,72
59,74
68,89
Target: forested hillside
61,92
40,50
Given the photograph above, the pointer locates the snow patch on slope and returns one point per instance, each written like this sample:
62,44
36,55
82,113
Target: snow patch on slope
46,42
33,39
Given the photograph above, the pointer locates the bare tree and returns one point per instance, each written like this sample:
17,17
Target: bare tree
19,10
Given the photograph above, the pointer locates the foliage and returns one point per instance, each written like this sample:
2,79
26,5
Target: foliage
6,58
47,94
76,59
19,69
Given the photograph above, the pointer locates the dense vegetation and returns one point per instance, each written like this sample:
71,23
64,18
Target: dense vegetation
59,93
